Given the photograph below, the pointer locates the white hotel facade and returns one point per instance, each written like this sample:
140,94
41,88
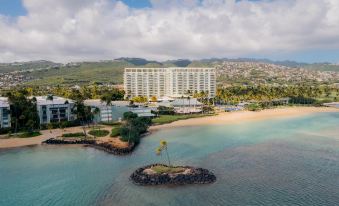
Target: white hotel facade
172,82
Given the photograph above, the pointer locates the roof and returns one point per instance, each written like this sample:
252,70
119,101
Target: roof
99,103
42,100
181,102
4,102
165,98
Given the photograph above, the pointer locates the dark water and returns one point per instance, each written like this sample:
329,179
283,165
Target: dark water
274,162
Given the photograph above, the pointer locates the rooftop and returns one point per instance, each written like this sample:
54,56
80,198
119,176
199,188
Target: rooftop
42,100
99,103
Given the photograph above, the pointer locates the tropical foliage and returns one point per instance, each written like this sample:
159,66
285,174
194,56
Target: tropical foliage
133,127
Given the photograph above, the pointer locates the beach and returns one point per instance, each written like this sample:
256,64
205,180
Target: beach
221,118
6,143
241,116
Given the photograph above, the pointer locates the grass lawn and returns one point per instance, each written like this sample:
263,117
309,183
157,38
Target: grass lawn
29,134
165,119
115,131
165,169
98,133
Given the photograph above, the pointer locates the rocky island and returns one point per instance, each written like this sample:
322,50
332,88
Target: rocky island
160,174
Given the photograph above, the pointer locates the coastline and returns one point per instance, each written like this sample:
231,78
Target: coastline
242,116
220,119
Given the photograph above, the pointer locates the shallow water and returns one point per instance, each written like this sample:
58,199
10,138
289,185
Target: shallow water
290,161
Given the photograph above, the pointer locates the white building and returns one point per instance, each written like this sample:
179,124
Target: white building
5,117
183,105
116,111
54,110
173,82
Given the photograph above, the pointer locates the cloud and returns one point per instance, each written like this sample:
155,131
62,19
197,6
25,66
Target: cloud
78,30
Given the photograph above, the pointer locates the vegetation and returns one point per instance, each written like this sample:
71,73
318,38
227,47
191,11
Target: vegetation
115,132
23,111
98,133
30,134
298,94
140,99
160,169
133,127
165,119
254,107
77,134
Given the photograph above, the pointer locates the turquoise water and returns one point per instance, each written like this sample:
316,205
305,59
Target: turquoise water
290,161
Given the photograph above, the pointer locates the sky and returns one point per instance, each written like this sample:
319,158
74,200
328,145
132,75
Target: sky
77,30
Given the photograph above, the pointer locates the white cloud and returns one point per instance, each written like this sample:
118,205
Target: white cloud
75,30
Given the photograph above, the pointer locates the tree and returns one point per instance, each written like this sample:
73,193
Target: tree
161,148
23,110
133,127
154,99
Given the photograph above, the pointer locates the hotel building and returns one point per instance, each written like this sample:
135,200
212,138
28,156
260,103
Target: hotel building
5,117
172,82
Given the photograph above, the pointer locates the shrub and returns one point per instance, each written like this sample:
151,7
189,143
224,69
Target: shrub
63,124
5,130
134,127
115,131
98,133
77,134
162,110
253,107
111,123
29,134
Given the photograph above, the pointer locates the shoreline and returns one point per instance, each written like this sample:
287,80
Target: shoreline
219,119
245,116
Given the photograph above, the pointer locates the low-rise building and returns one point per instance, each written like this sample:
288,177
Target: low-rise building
183,105
54,109
116,110
5,117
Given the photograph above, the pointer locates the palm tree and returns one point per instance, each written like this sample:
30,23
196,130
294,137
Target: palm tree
108,100
161,148
96,111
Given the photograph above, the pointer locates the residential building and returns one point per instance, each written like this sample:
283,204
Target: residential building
5,117
116,110
184,105
172,82
55,109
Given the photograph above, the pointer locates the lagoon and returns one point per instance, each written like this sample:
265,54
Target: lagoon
287,161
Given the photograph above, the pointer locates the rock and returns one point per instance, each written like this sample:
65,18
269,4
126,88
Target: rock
93,143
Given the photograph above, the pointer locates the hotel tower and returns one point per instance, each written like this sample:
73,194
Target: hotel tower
172,82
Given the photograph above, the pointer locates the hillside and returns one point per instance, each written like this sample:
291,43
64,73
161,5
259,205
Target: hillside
323,67
81,73
236,71
23,66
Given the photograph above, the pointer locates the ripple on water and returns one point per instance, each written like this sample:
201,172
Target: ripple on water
281,162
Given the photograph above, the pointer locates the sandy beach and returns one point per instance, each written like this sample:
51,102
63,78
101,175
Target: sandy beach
46,134
241,116
222,118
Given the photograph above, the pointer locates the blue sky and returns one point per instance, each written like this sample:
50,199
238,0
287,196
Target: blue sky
15,7
277,30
